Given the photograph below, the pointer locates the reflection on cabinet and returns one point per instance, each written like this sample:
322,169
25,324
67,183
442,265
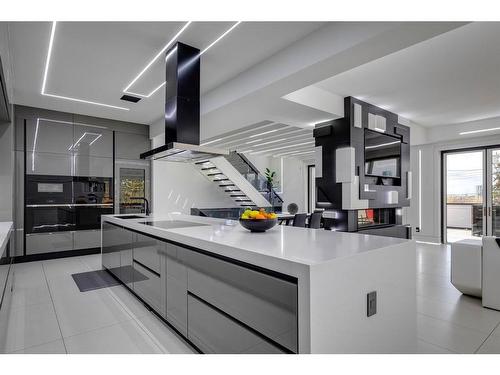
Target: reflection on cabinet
266,303
176,278
38,243
148,286
131,146
86,239
49,164
94,166
115,240
92,141
215,332
49,136
149,271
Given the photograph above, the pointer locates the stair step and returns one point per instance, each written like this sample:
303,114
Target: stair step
227,185
208,168
214,174
221,179
229,191
202,162
236,195
243,200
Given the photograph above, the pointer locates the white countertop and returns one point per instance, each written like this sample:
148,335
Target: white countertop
280,245
5,228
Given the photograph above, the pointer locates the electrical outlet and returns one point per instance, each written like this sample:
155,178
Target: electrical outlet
417,229
371,304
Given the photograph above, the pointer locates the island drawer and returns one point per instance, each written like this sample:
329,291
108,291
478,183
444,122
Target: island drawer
258,299
213,331
148,286
146,252
176,279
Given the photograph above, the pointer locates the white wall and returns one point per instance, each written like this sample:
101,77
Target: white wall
176,187
427,215
274,164
295,183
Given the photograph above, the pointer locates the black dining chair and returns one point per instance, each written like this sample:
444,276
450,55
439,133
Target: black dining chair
299,220
315,220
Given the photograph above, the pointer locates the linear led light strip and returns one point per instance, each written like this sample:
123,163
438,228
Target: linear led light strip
71,123
245,131
285,140
282,147
46,72
170,42
478,131
294,153
126,90
382,145
241,144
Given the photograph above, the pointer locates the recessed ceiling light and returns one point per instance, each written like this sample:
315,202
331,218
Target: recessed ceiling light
219,38
270,131
171,41
169,54
282,147
245,131
478,131
46,72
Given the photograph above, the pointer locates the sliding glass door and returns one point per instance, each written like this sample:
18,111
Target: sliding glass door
464,195
471,182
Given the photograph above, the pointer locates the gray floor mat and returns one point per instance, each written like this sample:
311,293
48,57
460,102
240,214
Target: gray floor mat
92,280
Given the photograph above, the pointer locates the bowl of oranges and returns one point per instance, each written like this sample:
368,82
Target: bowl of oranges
258,220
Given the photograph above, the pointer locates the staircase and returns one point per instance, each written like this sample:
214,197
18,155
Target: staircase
240,181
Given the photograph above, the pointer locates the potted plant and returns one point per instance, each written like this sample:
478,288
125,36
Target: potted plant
270,184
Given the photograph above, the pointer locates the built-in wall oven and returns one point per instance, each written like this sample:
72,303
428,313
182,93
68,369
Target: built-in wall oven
65,203
42,189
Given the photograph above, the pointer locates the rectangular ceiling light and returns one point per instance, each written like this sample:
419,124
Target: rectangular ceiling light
170,42
219,38
46,73
166,58
478,131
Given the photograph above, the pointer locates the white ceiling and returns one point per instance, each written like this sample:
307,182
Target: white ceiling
95,61
451,78
431,73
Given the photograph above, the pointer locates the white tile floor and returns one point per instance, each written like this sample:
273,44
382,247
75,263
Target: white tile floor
50,315
447,321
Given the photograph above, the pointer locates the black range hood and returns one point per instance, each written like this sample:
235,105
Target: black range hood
182,109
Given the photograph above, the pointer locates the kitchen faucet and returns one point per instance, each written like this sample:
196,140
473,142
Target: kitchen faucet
146,204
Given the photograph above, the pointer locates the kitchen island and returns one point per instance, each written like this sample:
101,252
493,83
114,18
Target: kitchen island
288,290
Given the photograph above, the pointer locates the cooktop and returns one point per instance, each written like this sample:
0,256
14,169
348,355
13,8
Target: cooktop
172,224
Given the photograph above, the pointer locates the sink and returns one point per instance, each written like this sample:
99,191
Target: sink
131,217
172,224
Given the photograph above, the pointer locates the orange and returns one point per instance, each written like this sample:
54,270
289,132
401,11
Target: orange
260,217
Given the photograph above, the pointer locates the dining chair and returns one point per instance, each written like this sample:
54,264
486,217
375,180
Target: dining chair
315,220
299,220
